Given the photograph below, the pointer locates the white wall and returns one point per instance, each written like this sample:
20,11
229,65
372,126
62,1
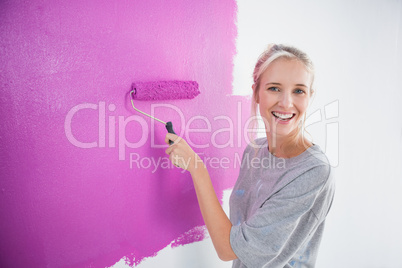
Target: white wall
357,50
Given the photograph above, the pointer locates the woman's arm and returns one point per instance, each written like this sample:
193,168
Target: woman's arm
216,220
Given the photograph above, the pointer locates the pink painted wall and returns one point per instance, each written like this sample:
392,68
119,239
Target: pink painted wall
66,206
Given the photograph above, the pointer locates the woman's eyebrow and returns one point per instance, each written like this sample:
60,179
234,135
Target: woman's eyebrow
273,83
279,84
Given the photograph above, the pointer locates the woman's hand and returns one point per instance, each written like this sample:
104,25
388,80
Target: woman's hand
181,154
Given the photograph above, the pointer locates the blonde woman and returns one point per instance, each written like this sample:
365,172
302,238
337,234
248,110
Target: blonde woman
285,188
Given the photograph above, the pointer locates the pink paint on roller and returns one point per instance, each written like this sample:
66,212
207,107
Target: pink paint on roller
165,90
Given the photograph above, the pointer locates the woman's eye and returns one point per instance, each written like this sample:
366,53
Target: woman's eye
273,89
299,91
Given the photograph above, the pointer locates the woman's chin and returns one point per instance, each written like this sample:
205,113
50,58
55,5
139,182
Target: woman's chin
284,131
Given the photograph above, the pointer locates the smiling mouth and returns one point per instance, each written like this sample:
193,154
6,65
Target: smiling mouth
283,117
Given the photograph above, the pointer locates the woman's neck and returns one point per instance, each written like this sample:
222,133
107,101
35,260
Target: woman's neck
284,147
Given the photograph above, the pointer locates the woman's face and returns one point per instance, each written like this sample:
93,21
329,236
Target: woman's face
284,95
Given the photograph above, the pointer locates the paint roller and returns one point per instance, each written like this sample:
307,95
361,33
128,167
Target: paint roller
163,90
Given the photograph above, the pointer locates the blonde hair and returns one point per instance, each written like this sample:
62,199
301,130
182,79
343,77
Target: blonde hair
272,53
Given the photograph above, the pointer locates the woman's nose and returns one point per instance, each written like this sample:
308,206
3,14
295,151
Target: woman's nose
285,100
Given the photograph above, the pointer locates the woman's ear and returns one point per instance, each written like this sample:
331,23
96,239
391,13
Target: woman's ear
255,94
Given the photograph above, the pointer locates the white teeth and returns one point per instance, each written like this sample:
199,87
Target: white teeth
283,116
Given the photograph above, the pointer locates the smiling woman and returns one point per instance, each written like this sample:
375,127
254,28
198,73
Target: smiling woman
277,213
284,102
283,87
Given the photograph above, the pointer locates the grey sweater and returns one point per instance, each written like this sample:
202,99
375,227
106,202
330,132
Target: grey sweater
278,208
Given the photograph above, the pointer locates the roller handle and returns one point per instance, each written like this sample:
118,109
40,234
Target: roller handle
169,127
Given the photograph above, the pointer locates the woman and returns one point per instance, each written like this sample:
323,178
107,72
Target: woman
277,211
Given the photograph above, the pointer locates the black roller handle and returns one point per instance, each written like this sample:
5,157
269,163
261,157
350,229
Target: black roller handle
169,127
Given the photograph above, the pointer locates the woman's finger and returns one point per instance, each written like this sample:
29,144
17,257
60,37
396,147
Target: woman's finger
171,136
169,150
174,159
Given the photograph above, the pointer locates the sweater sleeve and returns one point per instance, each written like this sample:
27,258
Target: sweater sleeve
281,225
